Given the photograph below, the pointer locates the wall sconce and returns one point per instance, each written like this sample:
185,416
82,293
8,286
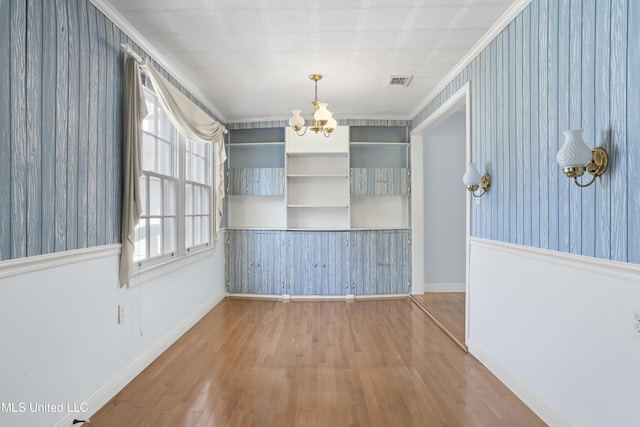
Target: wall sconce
575,158
473,180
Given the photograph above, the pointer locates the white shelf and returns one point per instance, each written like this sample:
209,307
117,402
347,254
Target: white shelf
317,176
256,212
319,206
254,144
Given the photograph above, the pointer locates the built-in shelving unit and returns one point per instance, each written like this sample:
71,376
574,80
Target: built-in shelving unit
256,180
317,171
310,215
380,178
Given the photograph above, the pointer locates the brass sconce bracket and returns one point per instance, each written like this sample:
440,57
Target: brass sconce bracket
485,184
596,167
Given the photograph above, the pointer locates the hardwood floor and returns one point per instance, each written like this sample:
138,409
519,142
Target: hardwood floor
330,363
446,308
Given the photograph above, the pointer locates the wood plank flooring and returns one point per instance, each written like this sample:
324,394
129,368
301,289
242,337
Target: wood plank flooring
329,363
446,308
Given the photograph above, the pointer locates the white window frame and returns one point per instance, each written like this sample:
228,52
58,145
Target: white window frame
148,267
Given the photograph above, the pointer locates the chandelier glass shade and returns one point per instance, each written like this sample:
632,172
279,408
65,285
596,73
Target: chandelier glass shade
323,120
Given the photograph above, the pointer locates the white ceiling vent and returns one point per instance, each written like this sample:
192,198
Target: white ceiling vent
399,81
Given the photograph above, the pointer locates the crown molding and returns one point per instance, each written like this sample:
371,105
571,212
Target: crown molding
507,17
124,25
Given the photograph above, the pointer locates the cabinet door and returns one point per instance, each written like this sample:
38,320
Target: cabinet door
299,264
363,263
318,262
237,262
339,263
255,262
266,262
380,262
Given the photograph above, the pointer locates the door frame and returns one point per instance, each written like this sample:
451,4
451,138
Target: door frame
460,98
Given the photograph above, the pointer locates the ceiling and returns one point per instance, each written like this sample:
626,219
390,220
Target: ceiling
249,60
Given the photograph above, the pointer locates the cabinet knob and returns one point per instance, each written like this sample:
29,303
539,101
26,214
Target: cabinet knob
315,264
323,265
258,265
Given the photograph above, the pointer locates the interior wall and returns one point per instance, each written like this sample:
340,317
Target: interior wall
61,340
444,211
561,337
559,65
558,333
60,186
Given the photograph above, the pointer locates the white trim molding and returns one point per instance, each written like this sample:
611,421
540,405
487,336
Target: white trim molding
17,266
146,274
509,15
623,270
445,287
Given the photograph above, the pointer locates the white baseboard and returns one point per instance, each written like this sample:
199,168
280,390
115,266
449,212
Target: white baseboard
444,287
98,399
287,297
541,408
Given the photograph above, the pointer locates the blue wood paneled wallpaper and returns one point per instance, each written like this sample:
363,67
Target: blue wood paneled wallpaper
60,121
60,127
561,64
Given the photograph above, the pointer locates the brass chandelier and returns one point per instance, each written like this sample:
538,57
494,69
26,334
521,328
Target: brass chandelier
323,120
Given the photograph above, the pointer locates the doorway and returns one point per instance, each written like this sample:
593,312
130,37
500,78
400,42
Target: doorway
442,215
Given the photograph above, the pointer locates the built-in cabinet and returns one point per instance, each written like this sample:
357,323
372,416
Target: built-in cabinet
318,216
365,262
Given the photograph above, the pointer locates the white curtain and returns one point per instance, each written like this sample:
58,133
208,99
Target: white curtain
188,118
134,111
194,123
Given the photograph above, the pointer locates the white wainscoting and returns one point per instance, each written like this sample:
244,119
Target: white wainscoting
61,340
557,329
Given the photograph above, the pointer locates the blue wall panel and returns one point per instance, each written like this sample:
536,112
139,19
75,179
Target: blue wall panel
5,132
633,130
60,127
560,65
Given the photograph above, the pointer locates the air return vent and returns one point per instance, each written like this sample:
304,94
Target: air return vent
399,81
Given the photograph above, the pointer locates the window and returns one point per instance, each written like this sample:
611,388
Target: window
176,188
197,194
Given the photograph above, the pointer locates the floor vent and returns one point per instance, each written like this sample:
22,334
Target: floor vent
399,81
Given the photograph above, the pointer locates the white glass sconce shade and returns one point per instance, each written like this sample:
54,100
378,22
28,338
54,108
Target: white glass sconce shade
574,152
471,176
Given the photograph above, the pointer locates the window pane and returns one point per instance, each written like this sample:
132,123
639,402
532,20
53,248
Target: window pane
188,199
205,200
196,200
165,158
205,229
169,197
197,231
140,242
188,168
148,152
164,125
188,231
155,196
143,194
155,237
169,235
201,172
